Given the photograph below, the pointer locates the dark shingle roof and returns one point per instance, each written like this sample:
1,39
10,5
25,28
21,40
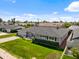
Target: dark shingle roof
53,32
76,34
74,27
10,26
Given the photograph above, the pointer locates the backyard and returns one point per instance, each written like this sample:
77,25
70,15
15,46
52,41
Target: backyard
24,49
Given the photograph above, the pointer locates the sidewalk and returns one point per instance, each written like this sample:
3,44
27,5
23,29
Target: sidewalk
8,39
6,55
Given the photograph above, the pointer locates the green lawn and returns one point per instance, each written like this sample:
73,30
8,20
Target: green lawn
8,35
68,57
24,49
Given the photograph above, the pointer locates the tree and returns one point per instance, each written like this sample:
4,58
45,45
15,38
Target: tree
75,53
61,21
13,20
67,24
1,20
8,21
45,21
26,21
77,23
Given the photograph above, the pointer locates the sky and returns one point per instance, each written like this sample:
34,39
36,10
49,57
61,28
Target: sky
34,10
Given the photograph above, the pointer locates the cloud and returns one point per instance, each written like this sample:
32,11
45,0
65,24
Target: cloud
12,1
55,13
73,7
42,17
35,17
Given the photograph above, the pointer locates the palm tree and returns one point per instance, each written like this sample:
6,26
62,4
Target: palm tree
1,20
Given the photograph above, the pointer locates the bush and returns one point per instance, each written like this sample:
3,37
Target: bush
0,29
13,31
46,43
67,24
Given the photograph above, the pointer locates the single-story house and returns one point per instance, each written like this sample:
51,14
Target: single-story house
73,27
46,34
10,28
51,24
75,39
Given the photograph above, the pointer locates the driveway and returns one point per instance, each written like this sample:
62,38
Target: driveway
5,55
8,39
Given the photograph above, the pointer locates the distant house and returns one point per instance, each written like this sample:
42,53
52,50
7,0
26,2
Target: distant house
74,27
51,24
10,28
45,34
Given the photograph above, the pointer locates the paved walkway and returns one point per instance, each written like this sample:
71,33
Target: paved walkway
8,39
2,33
5,55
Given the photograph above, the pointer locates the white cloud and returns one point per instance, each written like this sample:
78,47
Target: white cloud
12,1
35,17
73,7
32,15
55,13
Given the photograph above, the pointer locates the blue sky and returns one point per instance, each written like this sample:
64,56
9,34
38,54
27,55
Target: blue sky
50,10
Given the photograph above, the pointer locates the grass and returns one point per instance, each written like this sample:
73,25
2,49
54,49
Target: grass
24,49
8,35
68,57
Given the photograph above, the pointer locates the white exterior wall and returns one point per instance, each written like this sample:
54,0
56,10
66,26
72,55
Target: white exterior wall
8,30
23,34
61,38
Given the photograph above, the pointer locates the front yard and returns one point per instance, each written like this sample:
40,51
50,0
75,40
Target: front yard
24,49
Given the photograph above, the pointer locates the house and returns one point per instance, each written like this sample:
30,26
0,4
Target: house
75,38
43,34
10,28
74,27
51,24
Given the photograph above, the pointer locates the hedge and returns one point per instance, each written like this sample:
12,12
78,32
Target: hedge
46,43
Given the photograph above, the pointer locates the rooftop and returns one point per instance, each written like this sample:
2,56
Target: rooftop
74,27
48,31
10,26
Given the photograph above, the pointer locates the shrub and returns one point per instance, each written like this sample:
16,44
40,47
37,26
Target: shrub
13,31
46,43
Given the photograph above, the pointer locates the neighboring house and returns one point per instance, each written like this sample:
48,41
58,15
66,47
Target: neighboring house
75,38
74,27
10,28
51,24
46,33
